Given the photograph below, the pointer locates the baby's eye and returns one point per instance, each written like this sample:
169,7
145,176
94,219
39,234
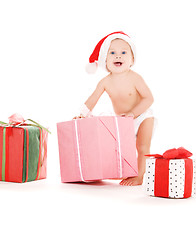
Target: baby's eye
123,52
112,52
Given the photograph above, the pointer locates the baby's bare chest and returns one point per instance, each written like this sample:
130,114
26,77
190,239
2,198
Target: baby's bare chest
121,90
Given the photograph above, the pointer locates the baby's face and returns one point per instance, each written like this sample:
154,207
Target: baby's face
119,56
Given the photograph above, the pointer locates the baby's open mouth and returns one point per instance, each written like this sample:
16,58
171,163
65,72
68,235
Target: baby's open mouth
118,64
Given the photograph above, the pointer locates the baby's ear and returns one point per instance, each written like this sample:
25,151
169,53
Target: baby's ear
133,57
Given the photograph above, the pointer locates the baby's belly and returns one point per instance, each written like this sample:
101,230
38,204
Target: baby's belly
122,106
121,110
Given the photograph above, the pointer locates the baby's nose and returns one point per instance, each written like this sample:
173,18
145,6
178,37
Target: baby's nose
118,57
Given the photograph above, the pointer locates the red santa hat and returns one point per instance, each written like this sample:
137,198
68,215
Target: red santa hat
98,56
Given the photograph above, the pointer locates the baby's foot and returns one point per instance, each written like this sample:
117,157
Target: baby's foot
132,181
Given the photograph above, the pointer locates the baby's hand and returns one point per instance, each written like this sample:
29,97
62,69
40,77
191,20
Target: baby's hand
81,116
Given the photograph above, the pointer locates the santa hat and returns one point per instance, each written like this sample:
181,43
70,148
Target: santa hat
98,57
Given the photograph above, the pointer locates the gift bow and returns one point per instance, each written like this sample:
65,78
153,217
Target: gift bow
17,120
174,153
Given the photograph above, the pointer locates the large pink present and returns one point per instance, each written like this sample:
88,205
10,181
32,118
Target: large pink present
97,148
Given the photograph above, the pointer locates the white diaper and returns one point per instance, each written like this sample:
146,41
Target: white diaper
137,121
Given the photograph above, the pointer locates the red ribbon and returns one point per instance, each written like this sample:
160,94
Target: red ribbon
174,153
161,181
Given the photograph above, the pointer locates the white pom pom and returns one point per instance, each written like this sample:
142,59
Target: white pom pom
91,67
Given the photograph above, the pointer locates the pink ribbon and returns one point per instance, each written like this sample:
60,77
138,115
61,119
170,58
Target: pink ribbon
16,119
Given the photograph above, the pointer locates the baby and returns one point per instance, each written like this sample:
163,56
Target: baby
127,90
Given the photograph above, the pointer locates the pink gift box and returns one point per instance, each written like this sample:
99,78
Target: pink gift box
97,148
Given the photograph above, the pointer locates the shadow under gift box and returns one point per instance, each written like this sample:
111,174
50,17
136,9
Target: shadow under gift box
97,148
23,153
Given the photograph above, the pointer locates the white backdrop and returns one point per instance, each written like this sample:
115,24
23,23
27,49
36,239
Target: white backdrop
44,47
